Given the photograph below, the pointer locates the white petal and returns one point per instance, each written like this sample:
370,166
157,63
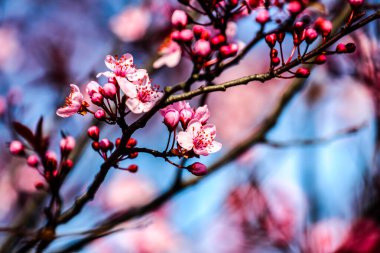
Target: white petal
185,140
107,74
214,147
127,87
135,105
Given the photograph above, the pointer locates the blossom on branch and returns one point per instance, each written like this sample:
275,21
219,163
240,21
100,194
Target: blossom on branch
73,103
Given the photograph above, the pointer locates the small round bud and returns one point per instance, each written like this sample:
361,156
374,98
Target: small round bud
302,72
175,36
117,142
97,99
133,155
351,47
320,59
93,132
341,48
16,148
202,48
100,114
294,7
39,186
198,30
179,19
67,165
273,53
310,35
355,3
280,37
253,3
105,145
218,40
32,161
324,26
262,16
95,145
197,169
109,90
51,160
275,61
171,119
132,142
186,35
185,115
132,168
270,39
67,144
228,50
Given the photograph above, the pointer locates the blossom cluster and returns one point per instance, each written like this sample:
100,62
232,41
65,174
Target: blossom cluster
138,92
197,136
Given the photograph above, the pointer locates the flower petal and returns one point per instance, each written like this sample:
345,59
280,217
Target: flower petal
127,87
185,140
135,105
214,147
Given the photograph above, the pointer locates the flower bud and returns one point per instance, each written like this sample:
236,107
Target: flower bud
179,19
273,53
100,114
202,48
302,72
355,3
324,26
186,35
185,115
39,186
97,99
93,132
275,61
92,88
341,48
32,161
117,142
51,160
67,165
133,155
95,145
218,40
105,145
67,144
198,30
294,7
175,36
132,168
262,16
311,35
171,119
109,90
228,50
320,59
16,148
197,169
112,80
253,3
270,39
280,37
132,142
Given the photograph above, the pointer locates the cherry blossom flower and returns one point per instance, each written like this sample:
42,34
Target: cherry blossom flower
199,138
146,97
170,53
131,24
202,114
73,103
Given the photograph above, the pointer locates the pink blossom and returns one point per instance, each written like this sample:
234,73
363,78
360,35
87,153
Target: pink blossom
199,138
131,24
171,119
16,148
67,144
202,114
146,97
170,53
202,48
92,88
179,18
73,103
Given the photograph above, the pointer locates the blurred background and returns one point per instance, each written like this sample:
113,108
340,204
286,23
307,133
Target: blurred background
305,195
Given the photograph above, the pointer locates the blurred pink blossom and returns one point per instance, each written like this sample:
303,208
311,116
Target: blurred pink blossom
170,54
73,102
10,49
131,24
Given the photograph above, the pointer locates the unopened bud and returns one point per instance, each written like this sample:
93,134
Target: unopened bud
16,148
197,169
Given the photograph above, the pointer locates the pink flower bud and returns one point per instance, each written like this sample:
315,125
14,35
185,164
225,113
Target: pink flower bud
324,26
280,37
341,48
202,48
16,148
92,87
253,3
67,165
302,72
171,119
355,3
228,50
93,132
218,40
311,35
198,30
132,142
270,39
32,161
275,61
100,114
320,59
51,160
105,145
262,16
132,168
294,7
185,115
97,99
67,144
109,90
133,155
175,36
197,169
179,18
351,47
39,186
186,35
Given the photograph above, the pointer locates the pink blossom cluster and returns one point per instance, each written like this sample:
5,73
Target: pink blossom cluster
140,94
197,135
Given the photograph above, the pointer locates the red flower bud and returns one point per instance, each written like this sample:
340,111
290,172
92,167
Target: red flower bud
197,169
262,16
39,186
228,50
202,48
280,37
294,7
179,18
273,53
100,114
310,35
218,40
186,35
175,36
67,165
341,48
355,3
16,148
33,161
109,90
198,30
93,132
302,72
351,47
95,145
132,168
97,98
132,142
117,142
105,145
253,3
271,39
133,155
67,144
320,59
324,26
112,80
275,61
51,160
